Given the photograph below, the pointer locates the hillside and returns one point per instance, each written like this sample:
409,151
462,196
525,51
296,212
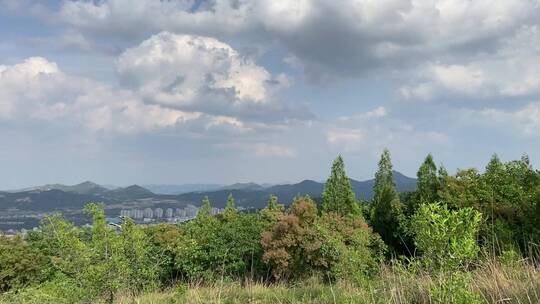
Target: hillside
26,206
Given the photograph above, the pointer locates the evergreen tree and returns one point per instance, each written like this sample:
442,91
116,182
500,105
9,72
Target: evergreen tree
273,203
386,208
272,212
230,209
206,210
338,195
442,175
427,183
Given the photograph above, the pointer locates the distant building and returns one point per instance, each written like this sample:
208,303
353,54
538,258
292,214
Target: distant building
180,212
158,213
148,213
191,211
138,214
169,213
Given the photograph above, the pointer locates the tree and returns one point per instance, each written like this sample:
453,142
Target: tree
302,243
230,210
273,211
107,267
427,183
338,195
20,264
446,238
386,206
205,211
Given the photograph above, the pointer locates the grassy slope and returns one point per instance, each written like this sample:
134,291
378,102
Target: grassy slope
491,282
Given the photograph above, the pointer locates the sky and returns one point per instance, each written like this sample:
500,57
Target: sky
222,91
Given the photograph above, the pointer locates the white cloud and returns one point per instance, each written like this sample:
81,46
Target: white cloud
37,89
508,77
260,149
525,120
448,78
376,129
185,70
133,18
339,38
378,112
346,139
269,150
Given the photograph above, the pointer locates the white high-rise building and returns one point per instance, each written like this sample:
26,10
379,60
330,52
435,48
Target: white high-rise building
191,211
169,213
148,213
158,213
180,212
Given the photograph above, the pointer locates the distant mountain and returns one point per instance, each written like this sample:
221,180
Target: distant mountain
243,186
30,204
130,192
254,195
82,188
364,189
44,201
182,188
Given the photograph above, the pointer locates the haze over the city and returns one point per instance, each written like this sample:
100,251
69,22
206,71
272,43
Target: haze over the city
122,92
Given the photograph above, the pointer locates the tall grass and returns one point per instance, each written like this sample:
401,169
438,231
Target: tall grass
491,281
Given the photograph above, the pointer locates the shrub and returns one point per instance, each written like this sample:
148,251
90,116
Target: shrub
333,246
446,238
454,289
20,265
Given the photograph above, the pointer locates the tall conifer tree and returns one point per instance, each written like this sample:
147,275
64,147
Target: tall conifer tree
338,195
206,210
427,183
386,206
230,210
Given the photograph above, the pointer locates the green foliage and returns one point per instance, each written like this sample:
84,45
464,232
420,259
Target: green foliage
20,265
94,263
230,209
446,238
271,214
496,211
209,248
205,212
302,244
506,194
386,207
429,183
455,289
338,195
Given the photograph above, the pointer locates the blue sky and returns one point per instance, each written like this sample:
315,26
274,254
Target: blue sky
223,91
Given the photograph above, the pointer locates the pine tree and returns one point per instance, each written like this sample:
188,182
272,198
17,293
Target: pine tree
206,210
338,195
427,183
272,202
230,210
386,208
442,176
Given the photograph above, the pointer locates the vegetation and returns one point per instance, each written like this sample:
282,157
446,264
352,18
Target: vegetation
472,237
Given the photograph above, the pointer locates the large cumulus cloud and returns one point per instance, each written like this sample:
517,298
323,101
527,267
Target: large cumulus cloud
179,82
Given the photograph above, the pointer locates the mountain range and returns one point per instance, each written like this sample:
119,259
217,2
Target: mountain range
37,201
57,196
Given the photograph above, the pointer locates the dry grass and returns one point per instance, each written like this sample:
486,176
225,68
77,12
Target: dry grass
489,282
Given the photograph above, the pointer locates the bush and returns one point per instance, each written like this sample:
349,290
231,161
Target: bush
333,246
20,265
454,289
446,238
210,248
